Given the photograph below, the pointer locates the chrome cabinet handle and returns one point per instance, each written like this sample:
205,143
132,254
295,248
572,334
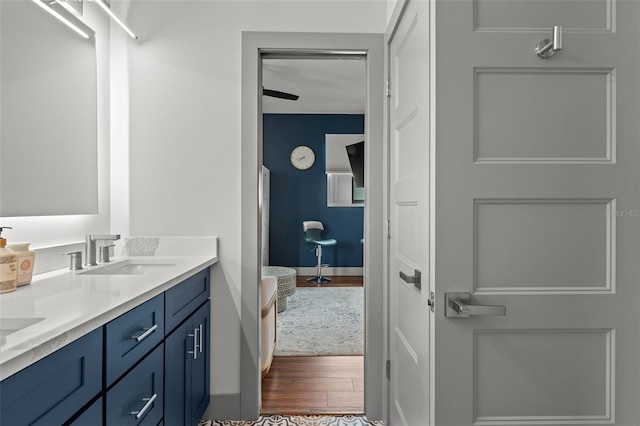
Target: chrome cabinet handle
415,279
459,306
146,332
194,352
200,337
149,402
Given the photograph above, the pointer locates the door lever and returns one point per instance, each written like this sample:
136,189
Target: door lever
459,306
415,279
547,48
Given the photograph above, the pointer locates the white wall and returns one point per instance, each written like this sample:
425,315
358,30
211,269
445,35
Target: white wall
183,130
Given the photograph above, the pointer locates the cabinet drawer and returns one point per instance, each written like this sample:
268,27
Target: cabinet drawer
92,416
138,398
184,298
52,390
132,335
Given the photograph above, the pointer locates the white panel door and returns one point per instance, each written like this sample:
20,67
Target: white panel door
409,214
537,209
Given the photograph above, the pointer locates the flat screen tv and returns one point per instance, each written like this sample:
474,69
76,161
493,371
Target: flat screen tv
356,159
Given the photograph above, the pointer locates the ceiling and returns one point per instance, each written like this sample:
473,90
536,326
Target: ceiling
325,86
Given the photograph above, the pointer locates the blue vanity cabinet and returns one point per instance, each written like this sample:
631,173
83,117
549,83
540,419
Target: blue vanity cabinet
53,389
92,416
115,375
138,399
201,366
184,298
187,369
176,369
130,336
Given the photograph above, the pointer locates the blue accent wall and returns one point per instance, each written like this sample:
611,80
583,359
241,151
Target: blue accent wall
298,195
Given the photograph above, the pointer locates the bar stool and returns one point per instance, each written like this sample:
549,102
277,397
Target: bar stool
313,235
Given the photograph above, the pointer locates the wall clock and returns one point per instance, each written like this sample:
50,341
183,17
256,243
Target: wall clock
302,157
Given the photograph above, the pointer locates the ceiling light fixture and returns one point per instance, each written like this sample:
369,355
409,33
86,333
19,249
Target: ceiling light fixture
60,15
107,9
75,7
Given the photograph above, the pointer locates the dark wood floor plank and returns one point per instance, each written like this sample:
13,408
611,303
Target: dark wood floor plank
358,383
334,410
311,399
310,375
323,384
344,399
298,372
314,385
318,384
336,281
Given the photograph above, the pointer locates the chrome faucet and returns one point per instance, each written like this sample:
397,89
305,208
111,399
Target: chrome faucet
90,246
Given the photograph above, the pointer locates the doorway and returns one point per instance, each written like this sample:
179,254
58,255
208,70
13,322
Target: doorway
311,45
312,109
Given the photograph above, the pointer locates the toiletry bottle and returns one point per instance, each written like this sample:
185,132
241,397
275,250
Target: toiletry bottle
8,266
26,259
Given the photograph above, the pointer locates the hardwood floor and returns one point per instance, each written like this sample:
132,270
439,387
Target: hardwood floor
314,385
337,281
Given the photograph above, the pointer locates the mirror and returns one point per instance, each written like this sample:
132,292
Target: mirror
343,152
48,115
343,192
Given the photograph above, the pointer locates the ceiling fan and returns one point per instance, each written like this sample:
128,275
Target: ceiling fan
279,95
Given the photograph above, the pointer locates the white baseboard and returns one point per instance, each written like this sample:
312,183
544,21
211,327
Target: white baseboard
331,271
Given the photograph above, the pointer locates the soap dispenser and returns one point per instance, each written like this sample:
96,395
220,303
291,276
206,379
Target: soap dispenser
8,266
26,259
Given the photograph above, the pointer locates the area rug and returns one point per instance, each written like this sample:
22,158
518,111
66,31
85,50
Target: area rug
297,421
322,321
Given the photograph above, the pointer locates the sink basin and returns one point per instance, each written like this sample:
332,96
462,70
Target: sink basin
137,269
11,325
132,267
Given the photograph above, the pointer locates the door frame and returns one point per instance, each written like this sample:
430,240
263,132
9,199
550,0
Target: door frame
394,21
253,46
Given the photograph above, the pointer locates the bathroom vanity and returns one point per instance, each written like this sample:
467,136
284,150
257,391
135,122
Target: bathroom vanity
126,343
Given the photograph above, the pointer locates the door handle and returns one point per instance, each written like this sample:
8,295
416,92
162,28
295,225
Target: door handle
415,279
459,306
148,402
547,48
146,332
194,352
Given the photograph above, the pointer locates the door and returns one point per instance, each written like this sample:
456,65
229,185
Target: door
536,209
187,367
200,365
409,218
177,374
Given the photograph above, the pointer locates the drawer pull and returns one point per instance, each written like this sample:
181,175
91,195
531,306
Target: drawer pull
194,352
200,337
149,402
146,332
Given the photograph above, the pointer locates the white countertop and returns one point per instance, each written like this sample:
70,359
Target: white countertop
73,303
